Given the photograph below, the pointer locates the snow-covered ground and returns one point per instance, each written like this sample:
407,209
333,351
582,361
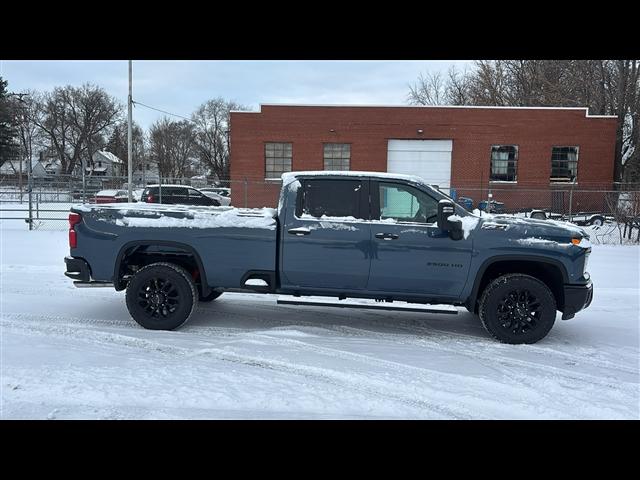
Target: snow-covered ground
75,353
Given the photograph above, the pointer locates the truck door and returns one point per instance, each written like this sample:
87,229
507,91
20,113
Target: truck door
411,255
326,240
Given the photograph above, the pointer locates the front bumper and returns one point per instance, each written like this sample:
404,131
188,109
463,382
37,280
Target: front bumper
576,298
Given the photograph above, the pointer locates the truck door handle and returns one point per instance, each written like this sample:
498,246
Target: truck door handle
387,236
299,232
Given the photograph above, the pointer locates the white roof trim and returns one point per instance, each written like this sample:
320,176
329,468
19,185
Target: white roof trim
585,109
288,177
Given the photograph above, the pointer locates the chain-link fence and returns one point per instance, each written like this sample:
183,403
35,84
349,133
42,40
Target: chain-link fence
611,216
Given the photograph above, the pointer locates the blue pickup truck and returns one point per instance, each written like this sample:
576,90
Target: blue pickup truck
365,235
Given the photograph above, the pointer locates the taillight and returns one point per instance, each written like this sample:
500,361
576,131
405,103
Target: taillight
74,219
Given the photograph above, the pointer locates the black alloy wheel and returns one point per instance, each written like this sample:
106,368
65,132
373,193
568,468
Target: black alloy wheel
161,296
519,311
517,308
158,297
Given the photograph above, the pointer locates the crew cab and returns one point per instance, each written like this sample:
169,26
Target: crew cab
388,237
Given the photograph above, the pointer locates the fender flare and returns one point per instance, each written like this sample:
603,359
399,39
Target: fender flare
136,243
473,296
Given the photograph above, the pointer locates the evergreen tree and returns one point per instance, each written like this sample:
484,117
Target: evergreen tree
9,149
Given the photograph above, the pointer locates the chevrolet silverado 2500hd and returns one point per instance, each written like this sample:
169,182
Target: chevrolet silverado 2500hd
381,236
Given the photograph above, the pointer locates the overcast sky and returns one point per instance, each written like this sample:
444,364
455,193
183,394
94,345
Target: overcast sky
181,86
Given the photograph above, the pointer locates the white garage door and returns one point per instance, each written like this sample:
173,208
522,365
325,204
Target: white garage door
429,159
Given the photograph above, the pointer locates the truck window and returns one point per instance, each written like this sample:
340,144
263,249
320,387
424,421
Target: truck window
406,204
333,198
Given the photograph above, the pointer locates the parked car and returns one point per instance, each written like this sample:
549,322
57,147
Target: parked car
137,194
91,188
494,206
466,202
220,194
177,194
353,234
111,196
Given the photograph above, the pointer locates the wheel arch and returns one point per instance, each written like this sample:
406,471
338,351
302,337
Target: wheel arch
550,271
131,247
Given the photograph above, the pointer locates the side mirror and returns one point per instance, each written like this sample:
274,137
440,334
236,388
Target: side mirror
446,208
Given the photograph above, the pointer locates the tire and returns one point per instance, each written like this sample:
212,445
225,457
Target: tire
209,298
517,308
174,296
597,221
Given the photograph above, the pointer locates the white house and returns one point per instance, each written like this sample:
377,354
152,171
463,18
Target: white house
146,173
105,164
15,167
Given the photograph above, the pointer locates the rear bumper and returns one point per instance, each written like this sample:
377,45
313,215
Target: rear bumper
77,269
576,298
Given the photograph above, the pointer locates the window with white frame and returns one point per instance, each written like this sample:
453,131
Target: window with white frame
278,158
337,156
564,164
504,163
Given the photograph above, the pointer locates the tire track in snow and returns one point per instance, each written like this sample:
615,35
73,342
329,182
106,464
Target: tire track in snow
365,385
412,336
519,378
380,319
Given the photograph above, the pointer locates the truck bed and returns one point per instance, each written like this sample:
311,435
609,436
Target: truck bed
229,241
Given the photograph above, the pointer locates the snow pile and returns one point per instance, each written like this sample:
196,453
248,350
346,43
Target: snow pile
259,218
469,223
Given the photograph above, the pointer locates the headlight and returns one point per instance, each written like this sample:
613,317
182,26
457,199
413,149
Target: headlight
581,242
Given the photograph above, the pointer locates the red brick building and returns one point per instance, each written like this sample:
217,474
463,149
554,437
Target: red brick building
512,151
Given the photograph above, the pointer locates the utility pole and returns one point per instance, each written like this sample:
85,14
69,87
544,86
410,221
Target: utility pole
130,143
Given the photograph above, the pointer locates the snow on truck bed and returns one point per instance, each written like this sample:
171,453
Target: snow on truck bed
150,215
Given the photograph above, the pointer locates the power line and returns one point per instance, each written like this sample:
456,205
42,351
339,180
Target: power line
163,111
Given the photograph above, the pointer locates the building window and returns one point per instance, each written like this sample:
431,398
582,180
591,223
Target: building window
504,163
278,157
564,164
337,156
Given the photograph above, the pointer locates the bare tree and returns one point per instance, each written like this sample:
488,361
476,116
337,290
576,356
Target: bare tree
211,122
606,87
430,89
457,87
172,146
118,145
76,121
31,137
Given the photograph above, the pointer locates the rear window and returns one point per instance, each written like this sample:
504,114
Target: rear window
333,198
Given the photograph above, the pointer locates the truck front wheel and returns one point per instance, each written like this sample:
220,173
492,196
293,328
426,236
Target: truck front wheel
517,308
161,296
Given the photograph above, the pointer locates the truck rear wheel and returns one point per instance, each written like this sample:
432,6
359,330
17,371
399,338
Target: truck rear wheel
161,296
517,308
